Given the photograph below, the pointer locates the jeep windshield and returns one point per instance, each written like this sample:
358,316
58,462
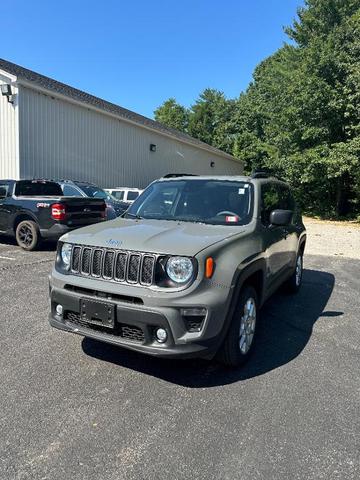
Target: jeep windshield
216,202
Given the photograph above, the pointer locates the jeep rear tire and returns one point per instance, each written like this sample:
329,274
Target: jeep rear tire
239,341
28,235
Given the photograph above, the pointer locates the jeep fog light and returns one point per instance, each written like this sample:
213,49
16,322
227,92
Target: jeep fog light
161,335
59,310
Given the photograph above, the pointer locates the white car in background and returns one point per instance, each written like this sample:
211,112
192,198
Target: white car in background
125,194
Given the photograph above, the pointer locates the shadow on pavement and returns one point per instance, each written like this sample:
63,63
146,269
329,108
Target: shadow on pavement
286,327
48,246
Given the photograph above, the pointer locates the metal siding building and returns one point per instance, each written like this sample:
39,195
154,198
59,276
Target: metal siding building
9,134
54,131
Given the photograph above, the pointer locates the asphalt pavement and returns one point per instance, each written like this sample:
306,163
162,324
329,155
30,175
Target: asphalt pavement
72,408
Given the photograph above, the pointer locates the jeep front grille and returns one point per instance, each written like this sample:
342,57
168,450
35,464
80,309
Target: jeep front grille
115,265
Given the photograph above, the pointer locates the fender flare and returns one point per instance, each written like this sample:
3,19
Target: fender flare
24,214
243,273
239,279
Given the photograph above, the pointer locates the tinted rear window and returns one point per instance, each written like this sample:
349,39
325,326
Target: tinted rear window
38,188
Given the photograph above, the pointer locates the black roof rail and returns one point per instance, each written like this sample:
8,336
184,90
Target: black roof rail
64,180
267,174
34,179
264,173
261,173
174,175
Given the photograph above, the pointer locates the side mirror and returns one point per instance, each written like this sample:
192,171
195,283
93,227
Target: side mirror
281,217
3,193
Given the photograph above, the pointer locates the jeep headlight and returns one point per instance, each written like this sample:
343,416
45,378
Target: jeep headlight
179,269
65,254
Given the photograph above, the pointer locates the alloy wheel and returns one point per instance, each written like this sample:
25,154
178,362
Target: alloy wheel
25,235
298,272
247,326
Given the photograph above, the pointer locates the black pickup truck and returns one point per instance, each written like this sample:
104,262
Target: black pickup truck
36,210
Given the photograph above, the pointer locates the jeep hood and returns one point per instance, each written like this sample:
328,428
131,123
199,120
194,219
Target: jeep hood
153,236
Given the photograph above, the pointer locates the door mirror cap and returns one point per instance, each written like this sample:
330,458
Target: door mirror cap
3,192
281,217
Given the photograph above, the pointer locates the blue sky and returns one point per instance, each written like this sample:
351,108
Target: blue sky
139,53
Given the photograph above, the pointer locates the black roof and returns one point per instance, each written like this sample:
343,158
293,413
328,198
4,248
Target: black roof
61,88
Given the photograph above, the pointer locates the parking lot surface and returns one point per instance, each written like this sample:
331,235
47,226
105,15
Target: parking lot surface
72,408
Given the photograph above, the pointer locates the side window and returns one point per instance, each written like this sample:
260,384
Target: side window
131,196
286,201
70,191
118,194
4,190
270,200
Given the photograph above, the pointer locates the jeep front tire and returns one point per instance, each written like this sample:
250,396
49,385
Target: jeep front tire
240,338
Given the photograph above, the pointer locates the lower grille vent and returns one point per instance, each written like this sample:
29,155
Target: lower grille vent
132,333
129,332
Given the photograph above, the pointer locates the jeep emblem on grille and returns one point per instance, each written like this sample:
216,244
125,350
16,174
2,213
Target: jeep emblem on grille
113,243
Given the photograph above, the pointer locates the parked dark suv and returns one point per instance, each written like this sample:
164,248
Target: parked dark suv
186,271
114,207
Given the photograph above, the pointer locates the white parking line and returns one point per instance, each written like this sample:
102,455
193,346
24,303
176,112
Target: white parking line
6,258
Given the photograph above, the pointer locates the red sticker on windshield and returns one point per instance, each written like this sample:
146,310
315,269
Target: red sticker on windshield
231,218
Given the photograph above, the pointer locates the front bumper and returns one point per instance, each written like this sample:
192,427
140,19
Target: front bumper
135,324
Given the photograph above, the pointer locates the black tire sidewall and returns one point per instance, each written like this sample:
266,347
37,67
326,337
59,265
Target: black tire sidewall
291,286
36,235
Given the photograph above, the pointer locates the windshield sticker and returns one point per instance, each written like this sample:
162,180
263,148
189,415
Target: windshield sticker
241,191
231,219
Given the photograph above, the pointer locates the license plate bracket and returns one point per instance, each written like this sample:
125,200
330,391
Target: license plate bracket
97,313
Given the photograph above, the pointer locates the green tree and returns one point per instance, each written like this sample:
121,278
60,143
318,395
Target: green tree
210,119
173,115
300,116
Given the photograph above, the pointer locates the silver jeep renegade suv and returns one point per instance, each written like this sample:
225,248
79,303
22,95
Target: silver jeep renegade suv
186,270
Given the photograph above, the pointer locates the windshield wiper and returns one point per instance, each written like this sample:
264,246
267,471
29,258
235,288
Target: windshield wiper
190,220
133,215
